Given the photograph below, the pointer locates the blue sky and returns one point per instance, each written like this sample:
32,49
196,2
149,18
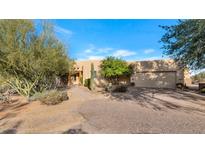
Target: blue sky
127,39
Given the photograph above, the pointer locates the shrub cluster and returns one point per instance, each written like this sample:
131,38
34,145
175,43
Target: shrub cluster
50,97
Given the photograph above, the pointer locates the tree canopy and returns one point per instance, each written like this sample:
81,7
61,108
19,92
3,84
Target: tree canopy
185,42
29,57
112,68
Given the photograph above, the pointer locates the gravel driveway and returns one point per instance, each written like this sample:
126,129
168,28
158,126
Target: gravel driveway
143,111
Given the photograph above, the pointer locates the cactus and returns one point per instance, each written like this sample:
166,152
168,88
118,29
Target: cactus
92,77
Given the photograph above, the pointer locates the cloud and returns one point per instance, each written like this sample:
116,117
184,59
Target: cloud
104,50
148,51
96,57
96,53
62,30
88,51
93,49
123,53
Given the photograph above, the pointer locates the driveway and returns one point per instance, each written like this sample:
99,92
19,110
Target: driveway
137,111
142,111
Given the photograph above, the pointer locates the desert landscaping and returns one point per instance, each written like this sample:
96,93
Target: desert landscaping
44,90
143,111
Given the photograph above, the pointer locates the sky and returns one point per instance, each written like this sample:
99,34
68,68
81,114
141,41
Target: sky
126,39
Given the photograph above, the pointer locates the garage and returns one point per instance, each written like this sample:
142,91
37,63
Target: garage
155,79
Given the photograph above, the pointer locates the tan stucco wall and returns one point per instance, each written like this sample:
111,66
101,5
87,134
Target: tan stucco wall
155,65
159,66
151,67
85,66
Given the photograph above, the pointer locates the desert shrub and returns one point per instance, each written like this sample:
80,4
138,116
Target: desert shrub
87,83
4,98
120,88
50,97
203,90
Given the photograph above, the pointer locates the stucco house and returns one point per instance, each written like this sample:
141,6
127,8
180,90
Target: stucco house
159,74
154,74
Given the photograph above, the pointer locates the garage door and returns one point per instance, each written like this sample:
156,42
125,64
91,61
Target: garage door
155,79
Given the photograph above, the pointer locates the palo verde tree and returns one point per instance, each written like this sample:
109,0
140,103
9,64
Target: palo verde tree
112,68
30,61
185,42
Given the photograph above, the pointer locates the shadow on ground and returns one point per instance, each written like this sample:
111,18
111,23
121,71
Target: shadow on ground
9,111
12,130
14,109
75,131
146,97
13,106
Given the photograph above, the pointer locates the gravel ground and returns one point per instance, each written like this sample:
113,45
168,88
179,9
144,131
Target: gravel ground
22,117
145,111
115,117
137,111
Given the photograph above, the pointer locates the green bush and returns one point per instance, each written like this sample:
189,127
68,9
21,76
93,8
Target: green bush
50,97
87,83
112,68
